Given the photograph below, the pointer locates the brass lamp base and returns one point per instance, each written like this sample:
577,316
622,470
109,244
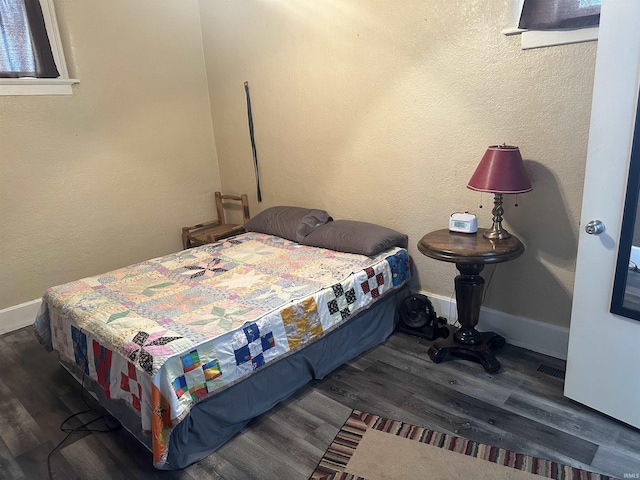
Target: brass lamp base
497,232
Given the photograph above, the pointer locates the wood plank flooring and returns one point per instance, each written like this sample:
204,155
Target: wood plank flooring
517,408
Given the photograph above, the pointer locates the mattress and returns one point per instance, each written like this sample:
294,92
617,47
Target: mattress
164,335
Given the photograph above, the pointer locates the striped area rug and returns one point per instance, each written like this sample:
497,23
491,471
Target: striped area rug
388,441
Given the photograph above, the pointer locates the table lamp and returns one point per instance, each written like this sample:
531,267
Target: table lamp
500,171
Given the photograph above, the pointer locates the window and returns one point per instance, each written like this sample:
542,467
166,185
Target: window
31,56
545,23
564,14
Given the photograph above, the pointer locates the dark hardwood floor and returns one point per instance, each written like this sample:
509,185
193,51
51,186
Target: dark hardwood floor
518,408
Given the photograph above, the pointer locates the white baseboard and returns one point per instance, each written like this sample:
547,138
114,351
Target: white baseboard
18,316
523,332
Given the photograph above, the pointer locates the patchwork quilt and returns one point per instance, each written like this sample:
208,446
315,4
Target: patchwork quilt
167,333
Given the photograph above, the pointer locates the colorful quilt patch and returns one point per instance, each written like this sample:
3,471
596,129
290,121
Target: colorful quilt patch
129,383
301,323
102,361
400,267
214,267
80,349
221,317
198,379
145,346
180,386
250,344
190,361
373,283
198,383
160,425
343,301
117,316
194,374
211,370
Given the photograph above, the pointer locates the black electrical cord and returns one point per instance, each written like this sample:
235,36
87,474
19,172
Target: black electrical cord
82,428
486,289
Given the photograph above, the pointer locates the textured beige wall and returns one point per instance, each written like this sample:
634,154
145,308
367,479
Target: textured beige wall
380,111
106,177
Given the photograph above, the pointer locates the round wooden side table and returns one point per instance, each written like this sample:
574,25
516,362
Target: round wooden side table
470,252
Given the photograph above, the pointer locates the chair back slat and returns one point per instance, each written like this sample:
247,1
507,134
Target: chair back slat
220,208
245,208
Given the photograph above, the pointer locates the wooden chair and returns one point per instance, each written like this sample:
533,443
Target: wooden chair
209,232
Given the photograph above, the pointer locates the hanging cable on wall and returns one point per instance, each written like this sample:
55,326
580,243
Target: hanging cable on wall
253,141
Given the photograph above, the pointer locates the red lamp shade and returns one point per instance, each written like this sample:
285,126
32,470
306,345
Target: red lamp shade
501,170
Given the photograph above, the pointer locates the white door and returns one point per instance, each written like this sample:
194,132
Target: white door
604,349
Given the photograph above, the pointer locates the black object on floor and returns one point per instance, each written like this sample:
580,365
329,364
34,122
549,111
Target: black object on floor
418,317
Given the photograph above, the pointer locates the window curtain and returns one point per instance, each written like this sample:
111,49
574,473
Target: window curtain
559,14
24,44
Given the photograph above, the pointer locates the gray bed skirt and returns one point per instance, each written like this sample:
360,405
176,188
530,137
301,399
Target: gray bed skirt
214,421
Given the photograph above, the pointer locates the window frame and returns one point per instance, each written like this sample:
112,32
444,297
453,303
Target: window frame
44,86
546,38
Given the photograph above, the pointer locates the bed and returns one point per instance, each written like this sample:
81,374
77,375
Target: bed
185,349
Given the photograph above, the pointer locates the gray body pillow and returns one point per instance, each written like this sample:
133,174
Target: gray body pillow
355,237
292,223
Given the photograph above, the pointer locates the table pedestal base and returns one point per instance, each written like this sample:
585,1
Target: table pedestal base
470,253
480,351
